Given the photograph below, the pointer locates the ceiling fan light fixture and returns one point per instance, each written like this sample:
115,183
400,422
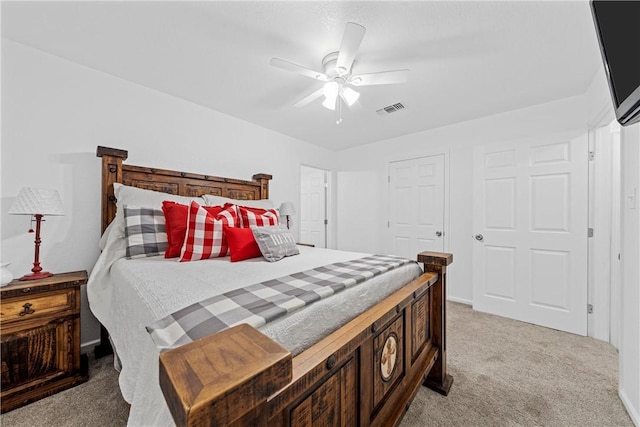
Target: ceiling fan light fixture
350,96
331,90
329,103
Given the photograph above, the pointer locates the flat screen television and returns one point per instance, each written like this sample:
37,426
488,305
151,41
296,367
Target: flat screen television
618,28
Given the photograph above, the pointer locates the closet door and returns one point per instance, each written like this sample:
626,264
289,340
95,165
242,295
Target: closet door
416,212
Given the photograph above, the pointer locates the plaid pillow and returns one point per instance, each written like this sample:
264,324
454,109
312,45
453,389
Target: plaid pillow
257,217
275,242
205,233
145,232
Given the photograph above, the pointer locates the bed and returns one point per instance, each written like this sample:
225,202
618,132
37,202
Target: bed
322,365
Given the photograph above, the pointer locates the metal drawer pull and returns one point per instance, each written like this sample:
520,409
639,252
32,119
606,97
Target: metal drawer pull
27,309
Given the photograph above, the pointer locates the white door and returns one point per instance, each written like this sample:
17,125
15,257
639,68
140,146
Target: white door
530,225
313,206
416,212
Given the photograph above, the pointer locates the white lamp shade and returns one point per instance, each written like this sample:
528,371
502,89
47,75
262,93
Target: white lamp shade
33,201
330,90
350,96
287,209
329,103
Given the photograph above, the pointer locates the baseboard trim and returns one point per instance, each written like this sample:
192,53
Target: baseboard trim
86,347
633,414
460,300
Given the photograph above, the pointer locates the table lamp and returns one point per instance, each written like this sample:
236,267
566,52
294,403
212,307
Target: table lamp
286,210
37,203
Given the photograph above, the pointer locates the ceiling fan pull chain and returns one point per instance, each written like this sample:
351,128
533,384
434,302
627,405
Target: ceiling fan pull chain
339,110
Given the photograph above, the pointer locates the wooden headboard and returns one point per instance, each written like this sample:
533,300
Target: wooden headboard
172,182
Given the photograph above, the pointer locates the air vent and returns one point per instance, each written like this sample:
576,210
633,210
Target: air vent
391,108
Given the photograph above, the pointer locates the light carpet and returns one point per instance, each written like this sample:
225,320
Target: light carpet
506,373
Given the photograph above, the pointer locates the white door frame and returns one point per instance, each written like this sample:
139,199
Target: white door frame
329,229
604,247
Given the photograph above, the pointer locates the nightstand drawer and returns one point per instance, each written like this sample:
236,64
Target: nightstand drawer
30,306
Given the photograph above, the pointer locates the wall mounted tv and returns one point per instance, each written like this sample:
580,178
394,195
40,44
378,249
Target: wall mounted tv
618,28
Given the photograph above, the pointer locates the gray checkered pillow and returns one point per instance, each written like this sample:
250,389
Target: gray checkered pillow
275,242
145,231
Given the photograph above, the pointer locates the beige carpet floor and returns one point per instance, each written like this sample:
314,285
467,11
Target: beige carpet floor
506,373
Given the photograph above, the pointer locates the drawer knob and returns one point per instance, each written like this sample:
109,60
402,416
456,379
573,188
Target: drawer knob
27,309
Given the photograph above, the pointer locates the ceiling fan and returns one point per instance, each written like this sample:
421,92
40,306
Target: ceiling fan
337,74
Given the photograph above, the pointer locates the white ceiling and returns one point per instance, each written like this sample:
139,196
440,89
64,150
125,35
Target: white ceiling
467,59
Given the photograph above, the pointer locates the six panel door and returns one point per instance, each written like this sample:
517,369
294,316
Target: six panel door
530,232
416,212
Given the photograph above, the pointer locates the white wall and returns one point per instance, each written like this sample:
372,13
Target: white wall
629,383
55,113
365,169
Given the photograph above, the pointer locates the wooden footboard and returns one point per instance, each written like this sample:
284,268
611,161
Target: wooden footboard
365,373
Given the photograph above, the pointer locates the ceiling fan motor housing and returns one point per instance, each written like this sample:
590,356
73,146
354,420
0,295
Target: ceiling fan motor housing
329,67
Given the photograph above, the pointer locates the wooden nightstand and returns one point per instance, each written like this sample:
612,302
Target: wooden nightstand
40,334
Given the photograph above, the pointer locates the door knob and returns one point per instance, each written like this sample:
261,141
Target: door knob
479,237
439,233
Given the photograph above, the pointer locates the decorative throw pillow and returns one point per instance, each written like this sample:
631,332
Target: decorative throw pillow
145,232
275,242
242,244
205,233
133,196
176,216
256,216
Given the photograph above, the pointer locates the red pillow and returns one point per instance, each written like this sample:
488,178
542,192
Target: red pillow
242,244
205,233
175,220
256,216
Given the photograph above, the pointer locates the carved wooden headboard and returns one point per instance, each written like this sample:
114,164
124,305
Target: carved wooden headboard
172,182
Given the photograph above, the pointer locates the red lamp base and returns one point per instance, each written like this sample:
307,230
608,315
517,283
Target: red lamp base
38,275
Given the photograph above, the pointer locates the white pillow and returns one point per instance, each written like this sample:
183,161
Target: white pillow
211,200
126,195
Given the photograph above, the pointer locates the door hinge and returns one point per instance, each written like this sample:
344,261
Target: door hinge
592,155
590,232
326,221
326,185
589,308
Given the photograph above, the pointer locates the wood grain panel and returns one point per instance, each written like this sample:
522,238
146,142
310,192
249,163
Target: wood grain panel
420,327
161,186
382,386
333,403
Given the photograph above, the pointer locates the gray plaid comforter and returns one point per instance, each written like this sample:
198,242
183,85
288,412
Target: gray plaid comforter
266,301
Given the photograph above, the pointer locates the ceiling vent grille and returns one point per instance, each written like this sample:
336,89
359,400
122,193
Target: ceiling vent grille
391,108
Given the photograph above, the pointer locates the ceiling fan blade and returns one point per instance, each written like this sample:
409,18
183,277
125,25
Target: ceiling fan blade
353,34
309,98
382,78
299,69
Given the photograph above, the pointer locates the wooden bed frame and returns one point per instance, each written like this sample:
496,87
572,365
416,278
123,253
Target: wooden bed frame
365,373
